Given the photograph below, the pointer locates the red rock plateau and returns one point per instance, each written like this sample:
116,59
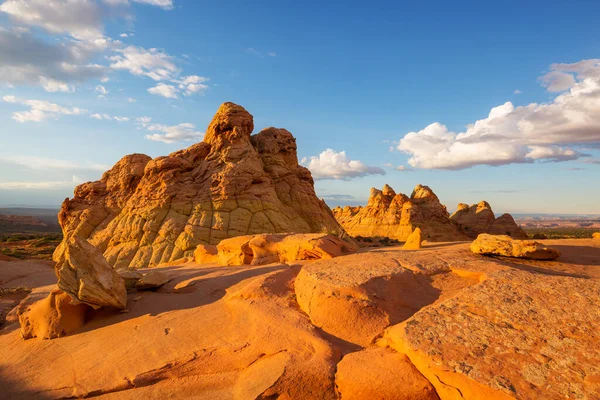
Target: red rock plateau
149,211
439,322
396,216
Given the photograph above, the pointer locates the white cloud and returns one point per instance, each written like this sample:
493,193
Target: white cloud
152,63
192,84
40,110
336,165
166,4
131,100
171,134
52,85
272,54
517,91
164,90
100,116
101,89
79,18
509,134
44,163
124,35
403,168
25,59
121,119
143,121
253,52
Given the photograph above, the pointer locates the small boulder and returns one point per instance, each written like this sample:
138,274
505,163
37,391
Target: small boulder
86,276
413,242
55,316
152,280
206,254
130,276
596,235
503,245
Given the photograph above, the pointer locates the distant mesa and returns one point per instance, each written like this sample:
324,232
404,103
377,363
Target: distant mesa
396,216
144,212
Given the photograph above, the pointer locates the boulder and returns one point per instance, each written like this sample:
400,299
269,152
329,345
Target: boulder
596,235
381,373
502,245
84,274
395,215
130,276
414,240
144,212
539,236
55,316
152,280
206,254
274,248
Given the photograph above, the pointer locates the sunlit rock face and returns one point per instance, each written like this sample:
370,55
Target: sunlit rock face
145,211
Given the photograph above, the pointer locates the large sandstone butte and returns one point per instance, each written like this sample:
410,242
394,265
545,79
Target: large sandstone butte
145,211
479,218
396,216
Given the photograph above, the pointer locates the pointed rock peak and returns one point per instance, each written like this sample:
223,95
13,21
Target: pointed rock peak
462,207
482,205
388,191
423,192
375,193
230,123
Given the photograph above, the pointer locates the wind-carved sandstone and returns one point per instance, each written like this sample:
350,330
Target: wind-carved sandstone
145,211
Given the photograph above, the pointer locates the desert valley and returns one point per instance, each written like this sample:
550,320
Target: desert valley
216,272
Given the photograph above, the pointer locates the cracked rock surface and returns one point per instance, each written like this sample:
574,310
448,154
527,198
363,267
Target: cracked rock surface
144,212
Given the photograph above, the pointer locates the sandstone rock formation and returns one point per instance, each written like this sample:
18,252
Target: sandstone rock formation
396,216
84,274
271,248
414,240
503,245
152,280
479,218
596,235
144,212
55,316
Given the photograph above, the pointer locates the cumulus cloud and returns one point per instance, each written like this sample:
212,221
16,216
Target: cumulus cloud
101,117
152,63
79,18
171,134
40,110
164,90
535,132
336,165
27,60
192,84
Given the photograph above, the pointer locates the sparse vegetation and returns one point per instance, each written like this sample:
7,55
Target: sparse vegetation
30,245
561,233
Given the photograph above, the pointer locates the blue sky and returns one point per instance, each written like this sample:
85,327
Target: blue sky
389,84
